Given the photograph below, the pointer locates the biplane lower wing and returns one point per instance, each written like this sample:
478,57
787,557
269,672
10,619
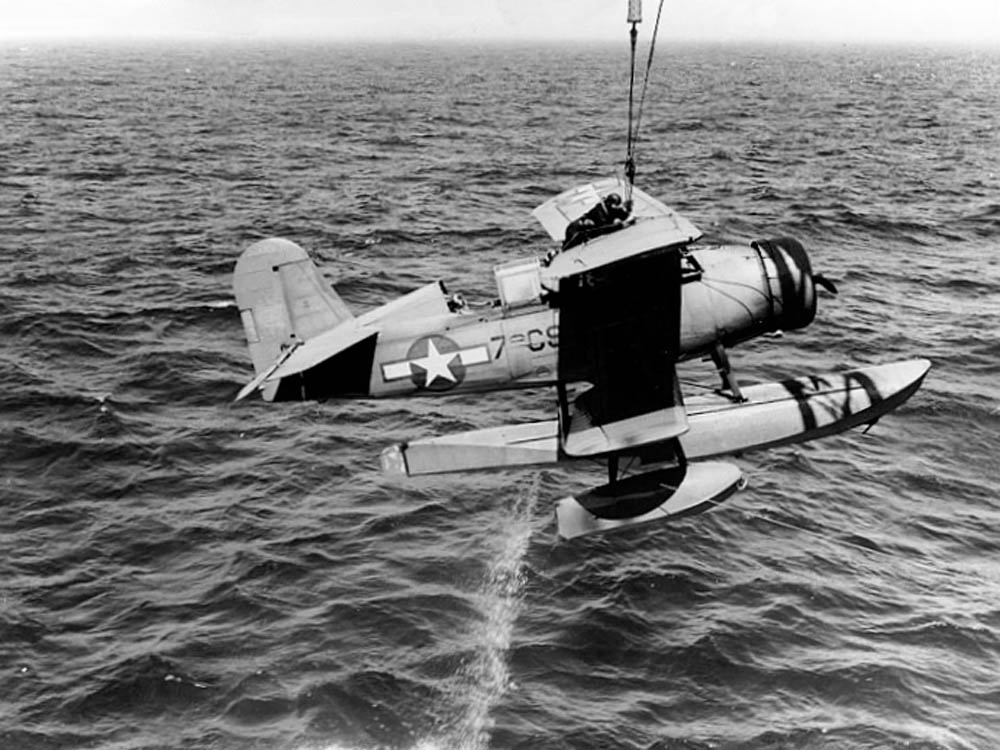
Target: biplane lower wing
790,411
584,439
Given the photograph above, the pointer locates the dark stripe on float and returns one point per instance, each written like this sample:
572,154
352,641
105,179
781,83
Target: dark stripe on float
797,390
867,384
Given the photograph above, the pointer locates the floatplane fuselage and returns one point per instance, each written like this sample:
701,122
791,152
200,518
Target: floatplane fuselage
430,342
604,321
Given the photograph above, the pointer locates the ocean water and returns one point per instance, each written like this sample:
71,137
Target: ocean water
179,572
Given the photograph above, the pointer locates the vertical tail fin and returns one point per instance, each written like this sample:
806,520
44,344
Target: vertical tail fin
283,299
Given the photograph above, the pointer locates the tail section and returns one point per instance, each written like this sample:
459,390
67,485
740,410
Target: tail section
283,301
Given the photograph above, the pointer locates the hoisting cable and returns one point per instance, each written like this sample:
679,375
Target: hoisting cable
635,17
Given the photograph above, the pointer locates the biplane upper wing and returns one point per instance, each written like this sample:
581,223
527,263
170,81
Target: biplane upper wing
619,329
556,213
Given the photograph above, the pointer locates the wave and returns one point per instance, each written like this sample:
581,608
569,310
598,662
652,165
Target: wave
178,573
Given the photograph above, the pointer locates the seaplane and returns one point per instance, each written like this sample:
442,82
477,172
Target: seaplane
600,322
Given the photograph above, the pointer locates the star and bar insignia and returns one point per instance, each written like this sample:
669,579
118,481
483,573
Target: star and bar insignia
435,363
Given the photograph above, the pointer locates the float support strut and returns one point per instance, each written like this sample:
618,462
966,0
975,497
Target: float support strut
721,360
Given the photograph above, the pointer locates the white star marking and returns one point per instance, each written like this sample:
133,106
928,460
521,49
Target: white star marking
436,364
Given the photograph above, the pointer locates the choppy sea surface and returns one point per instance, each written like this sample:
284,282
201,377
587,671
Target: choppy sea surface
179,572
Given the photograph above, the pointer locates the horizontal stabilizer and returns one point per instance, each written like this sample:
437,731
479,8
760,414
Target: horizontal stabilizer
261,377
305,355
319,349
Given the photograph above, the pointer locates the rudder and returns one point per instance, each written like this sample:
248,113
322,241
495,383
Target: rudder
282,297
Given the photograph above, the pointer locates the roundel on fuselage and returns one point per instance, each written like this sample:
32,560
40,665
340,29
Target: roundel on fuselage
435,363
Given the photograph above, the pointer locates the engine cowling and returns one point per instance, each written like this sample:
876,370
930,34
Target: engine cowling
736,292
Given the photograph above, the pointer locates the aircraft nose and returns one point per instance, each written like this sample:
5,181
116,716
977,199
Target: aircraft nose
792,289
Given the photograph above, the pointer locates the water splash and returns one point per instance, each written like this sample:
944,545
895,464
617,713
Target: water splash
485,680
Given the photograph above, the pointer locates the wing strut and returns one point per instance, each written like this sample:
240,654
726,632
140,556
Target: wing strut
729,382
670,451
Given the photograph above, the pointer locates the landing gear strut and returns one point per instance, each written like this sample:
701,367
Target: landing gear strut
721,360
